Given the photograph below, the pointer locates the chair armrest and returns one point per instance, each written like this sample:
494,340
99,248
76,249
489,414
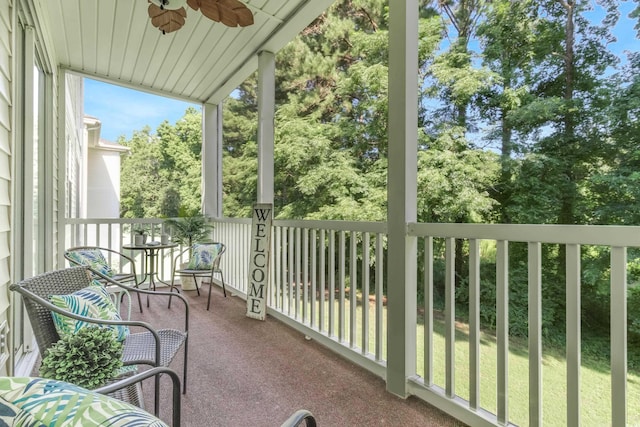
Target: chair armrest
139,377
178,258
299,417
110,281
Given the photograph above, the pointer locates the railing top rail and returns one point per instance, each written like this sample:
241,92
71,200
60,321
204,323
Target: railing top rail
113,220
233,220
362,226
605,235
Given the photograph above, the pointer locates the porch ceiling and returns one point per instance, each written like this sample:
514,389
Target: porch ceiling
204,61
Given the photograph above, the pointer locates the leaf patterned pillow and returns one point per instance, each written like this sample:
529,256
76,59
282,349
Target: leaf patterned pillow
92,258
92,301
202,256
46,402
12,415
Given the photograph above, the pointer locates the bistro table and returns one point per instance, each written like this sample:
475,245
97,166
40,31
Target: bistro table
151,250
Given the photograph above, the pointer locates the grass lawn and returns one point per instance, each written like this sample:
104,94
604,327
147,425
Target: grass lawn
595,381
595,378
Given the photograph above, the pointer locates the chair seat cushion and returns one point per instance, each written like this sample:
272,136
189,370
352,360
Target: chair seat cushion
92,258
203,256
28,401
92,301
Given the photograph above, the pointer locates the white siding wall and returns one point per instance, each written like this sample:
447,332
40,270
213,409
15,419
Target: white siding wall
6,101
103,184
74,134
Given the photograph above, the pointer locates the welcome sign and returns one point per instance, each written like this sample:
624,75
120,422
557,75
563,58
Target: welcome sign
259,261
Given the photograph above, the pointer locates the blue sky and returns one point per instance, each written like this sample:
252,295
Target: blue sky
123,111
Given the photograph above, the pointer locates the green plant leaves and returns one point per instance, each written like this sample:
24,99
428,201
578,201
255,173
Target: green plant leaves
89,358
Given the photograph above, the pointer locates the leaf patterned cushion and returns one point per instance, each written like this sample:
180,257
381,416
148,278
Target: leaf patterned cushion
92,301
46,402
94,259
202,257
11,414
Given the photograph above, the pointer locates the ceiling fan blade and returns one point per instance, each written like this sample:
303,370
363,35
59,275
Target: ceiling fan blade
209,8
194,4
245,17
231,13
166,20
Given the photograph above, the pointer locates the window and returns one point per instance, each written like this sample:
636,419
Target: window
33,98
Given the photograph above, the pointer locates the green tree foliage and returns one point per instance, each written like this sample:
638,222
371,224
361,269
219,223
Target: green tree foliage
525,116
163,174
141,182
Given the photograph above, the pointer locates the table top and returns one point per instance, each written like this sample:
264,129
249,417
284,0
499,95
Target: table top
151,245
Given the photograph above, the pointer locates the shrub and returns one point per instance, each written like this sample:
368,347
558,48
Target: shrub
88,358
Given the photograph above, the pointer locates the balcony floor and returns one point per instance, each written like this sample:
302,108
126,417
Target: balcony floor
248,372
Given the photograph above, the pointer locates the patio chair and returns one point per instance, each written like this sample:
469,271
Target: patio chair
42,401
204,262
150,347
95,257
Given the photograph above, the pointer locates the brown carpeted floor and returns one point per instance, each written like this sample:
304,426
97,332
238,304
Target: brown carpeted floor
245,372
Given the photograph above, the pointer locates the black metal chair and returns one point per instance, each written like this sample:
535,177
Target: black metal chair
151,347
204,262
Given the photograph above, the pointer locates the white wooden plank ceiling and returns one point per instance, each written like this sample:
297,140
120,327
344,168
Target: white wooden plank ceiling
204,61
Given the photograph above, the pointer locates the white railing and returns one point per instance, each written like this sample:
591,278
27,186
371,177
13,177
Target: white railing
616,239
314,265
114,234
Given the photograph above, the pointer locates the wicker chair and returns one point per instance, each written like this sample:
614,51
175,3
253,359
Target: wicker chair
110,263
151,347
211,267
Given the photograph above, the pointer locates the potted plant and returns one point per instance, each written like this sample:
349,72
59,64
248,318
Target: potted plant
88,358
187,230
140,234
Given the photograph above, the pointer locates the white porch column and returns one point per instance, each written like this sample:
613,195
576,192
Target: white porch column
266,112
212,160
402,188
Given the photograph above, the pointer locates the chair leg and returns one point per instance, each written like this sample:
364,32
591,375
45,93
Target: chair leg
173,278
137,286
139,301
184,367
224,290
156,403
195,283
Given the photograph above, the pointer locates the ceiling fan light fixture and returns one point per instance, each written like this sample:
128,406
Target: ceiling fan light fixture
169,4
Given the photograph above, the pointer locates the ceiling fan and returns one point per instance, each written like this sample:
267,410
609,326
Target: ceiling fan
169,15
